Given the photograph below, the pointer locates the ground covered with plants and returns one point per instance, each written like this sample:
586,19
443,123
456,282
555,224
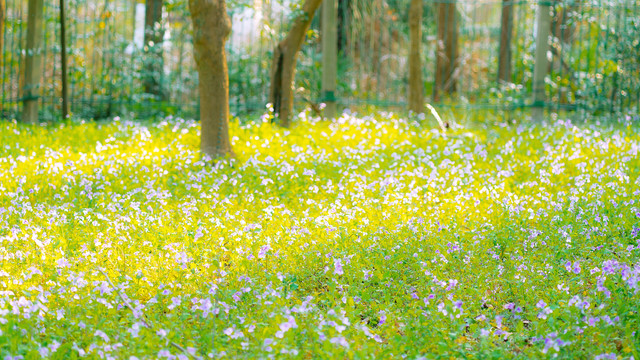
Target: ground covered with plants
370,237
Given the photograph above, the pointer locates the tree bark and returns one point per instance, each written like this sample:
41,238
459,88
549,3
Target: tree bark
153,36
541,64
329,57
416,87
33,62
344,15
211,29
563,28
506,33
563,25
2,16
63,60
283,67
447,50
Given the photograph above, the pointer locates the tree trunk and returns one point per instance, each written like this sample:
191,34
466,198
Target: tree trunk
63,60
416,87
2,12
344,15
506,33
563,28
447,50
153,36
563,25
284,63
211,29
2,15
541,64
329,57
33,62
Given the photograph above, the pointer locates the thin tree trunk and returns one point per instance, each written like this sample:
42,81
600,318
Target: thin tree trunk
211,29
563,28
541,62
283,67
563,25
416,87
506,33
447,50
63,60
330,57
2,16
344,15
153,36
32,87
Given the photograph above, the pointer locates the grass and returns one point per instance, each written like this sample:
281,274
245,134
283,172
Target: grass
371,237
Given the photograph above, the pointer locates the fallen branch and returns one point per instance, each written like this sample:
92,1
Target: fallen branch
443,125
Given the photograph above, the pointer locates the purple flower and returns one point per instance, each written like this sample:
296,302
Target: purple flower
575,268
545,310
610,356
263,251
543,314
340,340
101,334
568,266
609,267
337,264
367,275
452,284
383,318
552,342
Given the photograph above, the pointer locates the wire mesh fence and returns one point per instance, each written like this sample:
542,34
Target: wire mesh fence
594,56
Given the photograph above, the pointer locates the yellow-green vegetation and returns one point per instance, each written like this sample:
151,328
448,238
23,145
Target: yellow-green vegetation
370,237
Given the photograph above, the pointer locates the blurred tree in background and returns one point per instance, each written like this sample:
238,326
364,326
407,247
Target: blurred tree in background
153,36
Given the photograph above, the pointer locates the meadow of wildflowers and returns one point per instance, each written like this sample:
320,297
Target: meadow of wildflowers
370,237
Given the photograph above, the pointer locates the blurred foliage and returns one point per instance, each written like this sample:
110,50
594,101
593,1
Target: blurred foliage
596,70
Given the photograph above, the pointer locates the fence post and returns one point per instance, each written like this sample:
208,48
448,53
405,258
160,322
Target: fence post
329,56
541,66
33,61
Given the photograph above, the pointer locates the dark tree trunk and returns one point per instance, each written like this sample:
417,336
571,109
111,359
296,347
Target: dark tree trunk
506,33
211,29
447,50
153,36
344,15
416,87
2,16
284,63
563,28
563,25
